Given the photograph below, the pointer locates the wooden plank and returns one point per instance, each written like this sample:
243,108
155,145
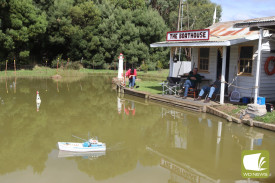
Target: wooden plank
178,103
188,107
168,100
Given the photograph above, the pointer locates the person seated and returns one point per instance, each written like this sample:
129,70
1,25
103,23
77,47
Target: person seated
192,79
214,88
131,74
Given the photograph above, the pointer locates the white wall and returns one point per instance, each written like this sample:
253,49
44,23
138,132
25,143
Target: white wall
267,82
211,74
247,82
181,67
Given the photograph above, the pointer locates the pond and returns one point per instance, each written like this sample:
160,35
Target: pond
146,142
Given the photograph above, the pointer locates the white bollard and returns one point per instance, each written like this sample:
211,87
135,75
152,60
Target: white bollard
120,66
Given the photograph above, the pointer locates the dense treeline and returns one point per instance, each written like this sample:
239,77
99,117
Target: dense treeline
94,31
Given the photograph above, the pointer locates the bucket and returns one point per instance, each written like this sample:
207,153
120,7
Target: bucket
245,100
261,100
269,107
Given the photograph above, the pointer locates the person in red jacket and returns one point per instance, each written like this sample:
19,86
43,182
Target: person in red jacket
131,74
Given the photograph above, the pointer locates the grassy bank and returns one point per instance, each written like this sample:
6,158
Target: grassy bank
235,110
268,118
48,72
153,87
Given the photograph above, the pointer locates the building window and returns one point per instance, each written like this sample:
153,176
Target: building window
246,58
204,59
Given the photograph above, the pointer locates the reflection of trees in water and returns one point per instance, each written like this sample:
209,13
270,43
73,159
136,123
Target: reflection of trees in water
29,136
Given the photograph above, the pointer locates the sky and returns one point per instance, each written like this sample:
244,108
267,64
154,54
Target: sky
245,9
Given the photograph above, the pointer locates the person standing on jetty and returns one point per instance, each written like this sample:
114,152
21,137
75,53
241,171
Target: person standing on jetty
192,79
131,74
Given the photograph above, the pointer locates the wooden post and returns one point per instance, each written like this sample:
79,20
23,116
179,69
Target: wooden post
62,67
6,68
67,63
46,67
57,65
223,75
14,87
258,66
14,65
171,68
6,85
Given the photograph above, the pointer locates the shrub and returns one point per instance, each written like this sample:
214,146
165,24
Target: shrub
114,65
74,65
106,66
61,62
87,64
144,67
23,56
159,65
151,66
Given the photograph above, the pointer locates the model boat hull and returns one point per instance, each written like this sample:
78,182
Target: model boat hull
78,147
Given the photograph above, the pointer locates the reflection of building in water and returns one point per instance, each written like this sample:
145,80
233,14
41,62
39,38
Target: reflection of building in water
176,127
199,140
181,172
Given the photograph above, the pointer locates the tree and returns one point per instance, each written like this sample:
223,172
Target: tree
199,12
127,31
23,26
129,4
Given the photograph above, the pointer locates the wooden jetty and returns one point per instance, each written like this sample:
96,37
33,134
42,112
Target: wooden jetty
171,100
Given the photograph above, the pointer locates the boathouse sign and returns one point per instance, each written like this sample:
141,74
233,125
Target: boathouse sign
190,35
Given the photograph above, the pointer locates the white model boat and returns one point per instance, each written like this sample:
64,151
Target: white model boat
91,145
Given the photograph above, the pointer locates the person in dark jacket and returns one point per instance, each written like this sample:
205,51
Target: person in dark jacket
214,88
192,79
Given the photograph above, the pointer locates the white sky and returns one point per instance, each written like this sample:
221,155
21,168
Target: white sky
245,9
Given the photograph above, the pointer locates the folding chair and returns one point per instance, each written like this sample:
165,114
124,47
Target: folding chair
193,91
171,86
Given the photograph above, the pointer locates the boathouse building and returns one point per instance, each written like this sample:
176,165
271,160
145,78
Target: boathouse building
236,50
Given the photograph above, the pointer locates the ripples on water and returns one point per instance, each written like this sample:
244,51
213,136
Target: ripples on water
146,142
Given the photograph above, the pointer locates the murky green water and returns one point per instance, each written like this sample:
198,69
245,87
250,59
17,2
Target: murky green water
146,142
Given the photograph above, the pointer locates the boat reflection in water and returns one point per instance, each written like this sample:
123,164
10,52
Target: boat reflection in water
85,155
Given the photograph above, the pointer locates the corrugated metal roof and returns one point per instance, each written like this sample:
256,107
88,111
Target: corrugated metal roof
224,31
264,21
221,34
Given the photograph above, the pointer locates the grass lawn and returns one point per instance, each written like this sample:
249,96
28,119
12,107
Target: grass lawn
153,87
268,118
234,110
48,72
